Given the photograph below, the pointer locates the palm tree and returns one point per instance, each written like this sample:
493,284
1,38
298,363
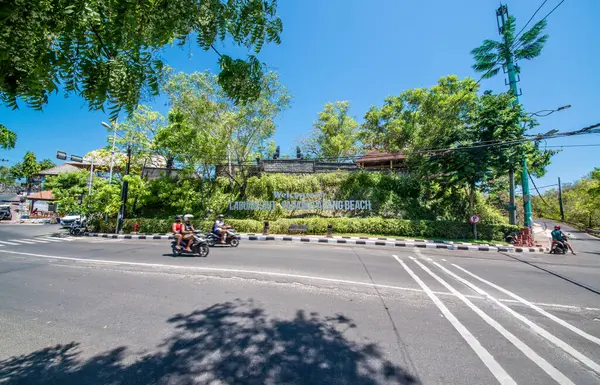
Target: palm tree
492,55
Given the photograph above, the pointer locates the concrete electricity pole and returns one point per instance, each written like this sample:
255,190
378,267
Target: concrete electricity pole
502,18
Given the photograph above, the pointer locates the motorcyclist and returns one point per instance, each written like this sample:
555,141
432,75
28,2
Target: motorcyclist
177,228
559,236
220,228
188,231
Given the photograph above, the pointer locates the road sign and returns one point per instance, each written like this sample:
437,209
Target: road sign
474,219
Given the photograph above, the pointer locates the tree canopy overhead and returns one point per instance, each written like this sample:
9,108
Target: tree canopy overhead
108,51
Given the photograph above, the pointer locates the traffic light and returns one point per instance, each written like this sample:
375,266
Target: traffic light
277,153
75,158
298,153
61,155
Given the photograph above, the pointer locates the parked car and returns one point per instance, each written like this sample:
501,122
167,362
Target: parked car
66,221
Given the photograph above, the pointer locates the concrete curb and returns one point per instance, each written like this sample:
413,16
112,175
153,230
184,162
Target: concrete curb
343,241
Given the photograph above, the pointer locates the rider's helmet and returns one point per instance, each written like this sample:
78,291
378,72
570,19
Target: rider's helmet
556,227
187,217
178,217
221,216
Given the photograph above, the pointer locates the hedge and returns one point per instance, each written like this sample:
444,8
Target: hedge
376,225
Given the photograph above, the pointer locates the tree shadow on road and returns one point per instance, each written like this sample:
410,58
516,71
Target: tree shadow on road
227,343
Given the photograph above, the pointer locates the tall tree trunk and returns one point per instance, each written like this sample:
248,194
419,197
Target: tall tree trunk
471,198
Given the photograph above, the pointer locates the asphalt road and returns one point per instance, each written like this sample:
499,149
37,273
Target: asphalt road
99,311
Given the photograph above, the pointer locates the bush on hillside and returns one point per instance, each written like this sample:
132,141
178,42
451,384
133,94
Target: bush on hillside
375,225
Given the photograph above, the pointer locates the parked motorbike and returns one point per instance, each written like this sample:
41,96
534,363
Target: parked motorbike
558,247
199,246
78,227
231,238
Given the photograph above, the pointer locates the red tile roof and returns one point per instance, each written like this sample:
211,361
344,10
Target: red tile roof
42,196
377,155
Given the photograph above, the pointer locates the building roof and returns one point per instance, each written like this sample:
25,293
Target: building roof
378,156
41,196
67,167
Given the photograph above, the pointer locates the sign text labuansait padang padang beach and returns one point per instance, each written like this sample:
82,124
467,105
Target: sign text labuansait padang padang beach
303,202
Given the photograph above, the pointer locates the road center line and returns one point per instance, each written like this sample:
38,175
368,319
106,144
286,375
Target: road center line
218,269
530,353
536,308
498,371
209,269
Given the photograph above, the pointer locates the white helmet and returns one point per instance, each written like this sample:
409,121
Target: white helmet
187,216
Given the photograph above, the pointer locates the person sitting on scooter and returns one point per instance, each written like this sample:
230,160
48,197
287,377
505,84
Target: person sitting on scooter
559,236
188,231
219,228
176,228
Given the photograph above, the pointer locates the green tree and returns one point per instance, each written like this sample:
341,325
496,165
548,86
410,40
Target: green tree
492,56
27,169
334,135
46,164
419,118
8,139
453,137
109,51
206,128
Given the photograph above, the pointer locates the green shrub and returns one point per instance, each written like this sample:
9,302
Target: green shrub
375,225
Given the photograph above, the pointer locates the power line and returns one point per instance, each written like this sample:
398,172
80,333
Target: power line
538,191
518,45
529,21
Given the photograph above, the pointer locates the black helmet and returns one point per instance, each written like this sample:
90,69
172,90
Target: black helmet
178,216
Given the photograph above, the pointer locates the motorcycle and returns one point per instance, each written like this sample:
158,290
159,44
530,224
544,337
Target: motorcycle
230,238
79,227
199,246
558,247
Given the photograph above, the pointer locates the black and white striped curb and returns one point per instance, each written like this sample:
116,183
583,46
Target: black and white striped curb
411,240
371,242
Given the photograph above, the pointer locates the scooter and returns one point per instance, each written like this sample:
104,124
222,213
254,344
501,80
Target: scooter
199,246
79,227
558,247
231,238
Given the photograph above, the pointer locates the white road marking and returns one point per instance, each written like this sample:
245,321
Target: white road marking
9,243
38,241
536,308
49,239
217,269
209,269
539,330
21,241
530,353
498,371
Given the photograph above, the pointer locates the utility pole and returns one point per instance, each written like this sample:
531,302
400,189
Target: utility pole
560,201
124,190
512,209
91,177
513,79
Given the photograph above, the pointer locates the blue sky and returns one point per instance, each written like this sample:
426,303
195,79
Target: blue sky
363,51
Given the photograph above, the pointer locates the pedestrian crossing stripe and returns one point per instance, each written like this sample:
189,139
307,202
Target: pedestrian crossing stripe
33,241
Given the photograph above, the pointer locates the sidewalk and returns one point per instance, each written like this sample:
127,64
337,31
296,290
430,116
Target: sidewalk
542,235
389,242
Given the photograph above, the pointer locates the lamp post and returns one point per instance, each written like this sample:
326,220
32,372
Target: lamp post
124,190
112,152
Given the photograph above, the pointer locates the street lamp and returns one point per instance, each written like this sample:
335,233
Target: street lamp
75,158
548,112
112,153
